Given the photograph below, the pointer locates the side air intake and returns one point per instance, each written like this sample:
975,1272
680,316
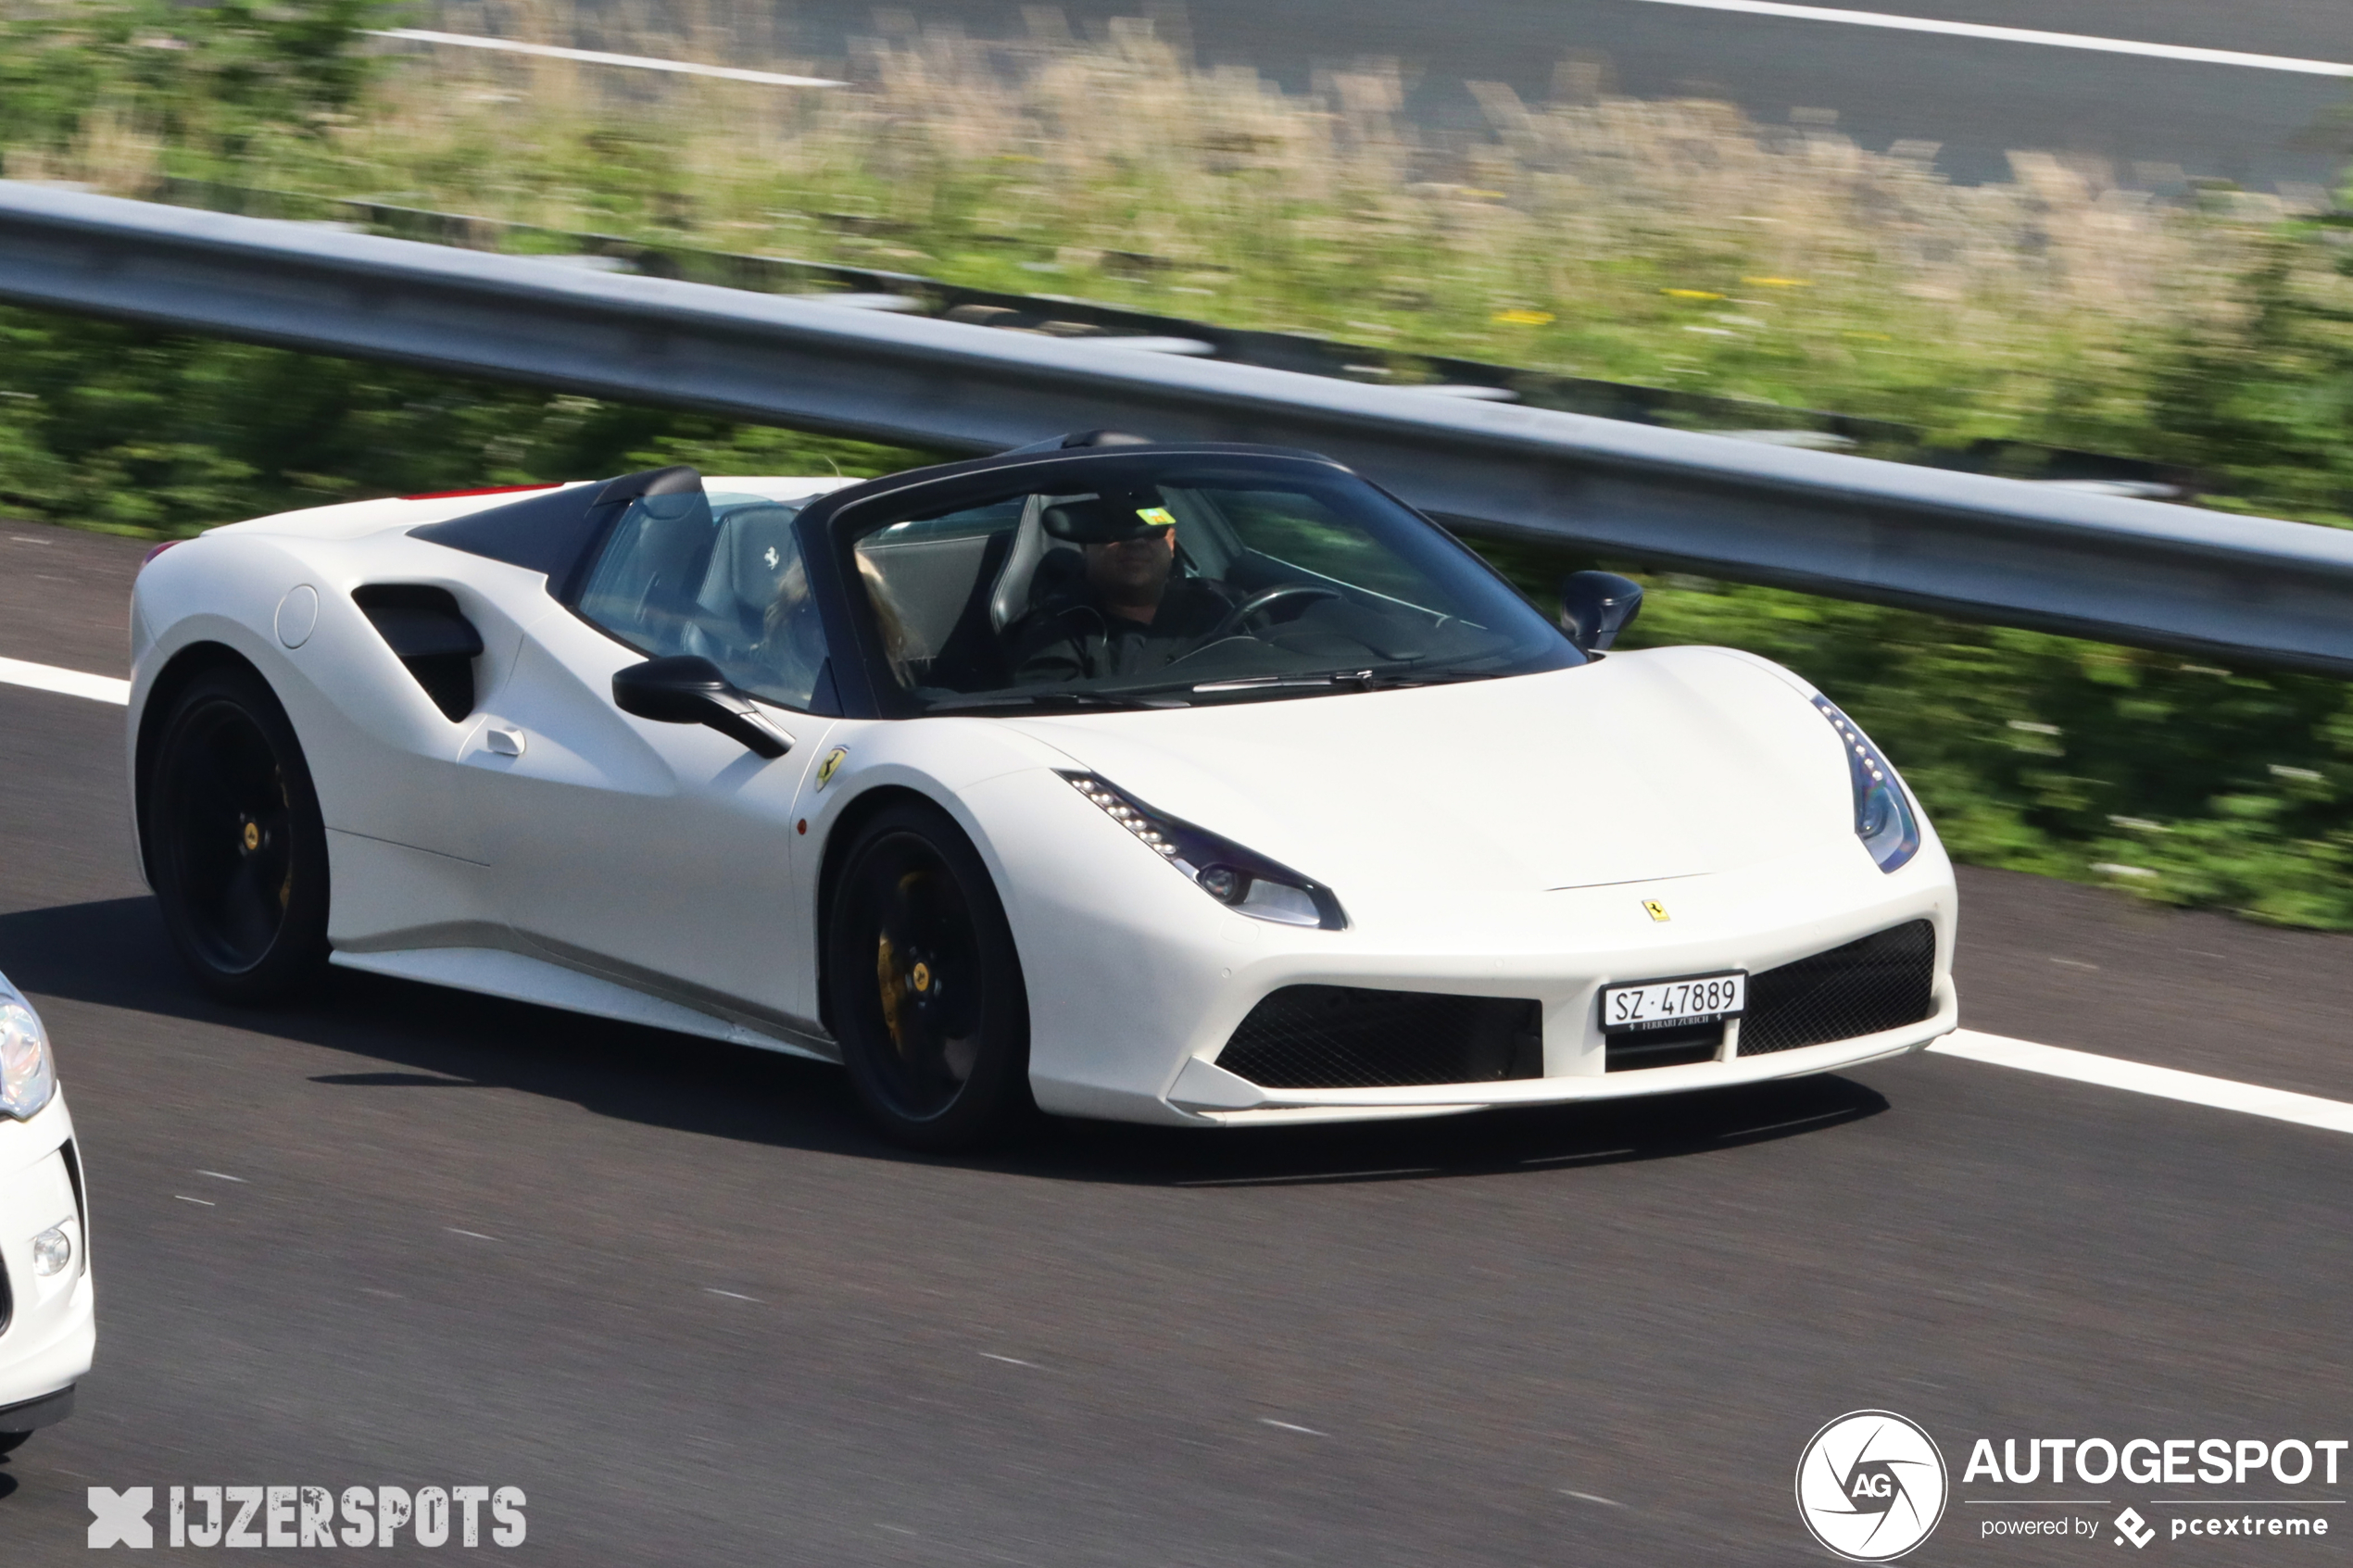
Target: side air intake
425,628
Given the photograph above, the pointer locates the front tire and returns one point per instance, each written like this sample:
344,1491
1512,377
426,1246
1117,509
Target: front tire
926,985
237,849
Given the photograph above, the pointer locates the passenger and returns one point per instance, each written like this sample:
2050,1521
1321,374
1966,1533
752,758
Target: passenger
1129,613
898,642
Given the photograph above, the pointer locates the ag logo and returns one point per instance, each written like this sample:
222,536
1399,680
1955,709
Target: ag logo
833,760
1870,1486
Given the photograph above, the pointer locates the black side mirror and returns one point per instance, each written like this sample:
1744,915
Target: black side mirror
687,689
1597,606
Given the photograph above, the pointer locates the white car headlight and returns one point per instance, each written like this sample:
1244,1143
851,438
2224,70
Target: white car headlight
27,1073
1883,819
1241,879
52,1251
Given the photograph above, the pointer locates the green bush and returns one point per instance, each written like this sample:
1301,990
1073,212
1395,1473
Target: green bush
221,78
119,427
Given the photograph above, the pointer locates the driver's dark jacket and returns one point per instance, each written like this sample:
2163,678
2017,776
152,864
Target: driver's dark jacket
1072,637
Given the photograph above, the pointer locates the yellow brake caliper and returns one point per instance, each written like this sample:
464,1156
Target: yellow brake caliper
887,979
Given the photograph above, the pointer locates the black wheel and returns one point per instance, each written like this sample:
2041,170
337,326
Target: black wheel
236,848
925,985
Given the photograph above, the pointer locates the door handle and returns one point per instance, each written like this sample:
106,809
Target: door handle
503,741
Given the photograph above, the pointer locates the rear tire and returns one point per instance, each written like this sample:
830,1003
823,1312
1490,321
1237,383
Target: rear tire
237,850
925,985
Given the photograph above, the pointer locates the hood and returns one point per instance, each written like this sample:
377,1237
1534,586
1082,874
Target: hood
1671,763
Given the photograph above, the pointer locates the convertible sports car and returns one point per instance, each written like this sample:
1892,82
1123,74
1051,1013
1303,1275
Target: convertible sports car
1200,785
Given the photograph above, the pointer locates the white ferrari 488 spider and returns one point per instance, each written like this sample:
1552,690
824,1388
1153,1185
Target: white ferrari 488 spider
1182,783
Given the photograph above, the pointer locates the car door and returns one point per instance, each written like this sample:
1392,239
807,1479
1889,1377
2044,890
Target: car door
662,854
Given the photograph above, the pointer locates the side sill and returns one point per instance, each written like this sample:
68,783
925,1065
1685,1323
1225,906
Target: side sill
491,972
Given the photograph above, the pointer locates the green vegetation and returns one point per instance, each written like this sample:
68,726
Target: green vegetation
120,428
1671,244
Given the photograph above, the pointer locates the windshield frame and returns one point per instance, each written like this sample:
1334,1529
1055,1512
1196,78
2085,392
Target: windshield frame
833,525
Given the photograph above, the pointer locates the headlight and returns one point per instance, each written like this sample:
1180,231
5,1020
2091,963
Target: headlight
52,1251
28,1075
1883,819
1241,879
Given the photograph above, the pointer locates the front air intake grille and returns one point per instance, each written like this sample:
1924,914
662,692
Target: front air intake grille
1663,1048
1883,982
1348,1037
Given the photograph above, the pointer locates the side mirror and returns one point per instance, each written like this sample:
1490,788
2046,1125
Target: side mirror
1597,606
687,689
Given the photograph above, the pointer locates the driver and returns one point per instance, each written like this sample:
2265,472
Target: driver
1129,612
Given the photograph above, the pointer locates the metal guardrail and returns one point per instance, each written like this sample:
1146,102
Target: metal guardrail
1063,315
2231,588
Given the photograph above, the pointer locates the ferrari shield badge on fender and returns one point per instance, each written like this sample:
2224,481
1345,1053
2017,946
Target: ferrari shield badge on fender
1656,910
826,770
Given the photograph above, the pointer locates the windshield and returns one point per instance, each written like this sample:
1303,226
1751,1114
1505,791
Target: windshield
1184,579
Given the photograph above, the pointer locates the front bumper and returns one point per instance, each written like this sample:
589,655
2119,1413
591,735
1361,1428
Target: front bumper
50,1332
1135,989
1205,1092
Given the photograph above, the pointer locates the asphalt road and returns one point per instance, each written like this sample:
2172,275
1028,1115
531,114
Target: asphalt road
678,1295
1977,98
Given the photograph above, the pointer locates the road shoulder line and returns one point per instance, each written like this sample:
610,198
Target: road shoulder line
2166,1083
70,683
2190,53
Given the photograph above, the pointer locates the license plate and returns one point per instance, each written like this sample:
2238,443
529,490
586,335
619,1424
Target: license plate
1667,1004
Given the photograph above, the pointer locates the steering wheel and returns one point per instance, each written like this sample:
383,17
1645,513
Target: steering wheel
1258,603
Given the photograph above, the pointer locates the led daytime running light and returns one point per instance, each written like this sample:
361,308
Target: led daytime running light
1883,817
1244,881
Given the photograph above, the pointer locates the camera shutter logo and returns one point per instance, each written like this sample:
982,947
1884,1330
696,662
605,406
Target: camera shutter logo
1871,1485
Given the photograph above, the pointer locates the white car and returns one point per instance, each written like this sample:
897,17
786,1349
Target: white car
1194,784
47,1326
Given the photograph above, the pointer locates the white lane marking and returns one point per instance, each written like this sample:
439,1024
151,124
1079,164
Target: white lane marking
71,682
2020,35
1010,1360
222,1176
1286,1426
186,1198
599,58
1588,1497
477,1235
732,1296
2167,1082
